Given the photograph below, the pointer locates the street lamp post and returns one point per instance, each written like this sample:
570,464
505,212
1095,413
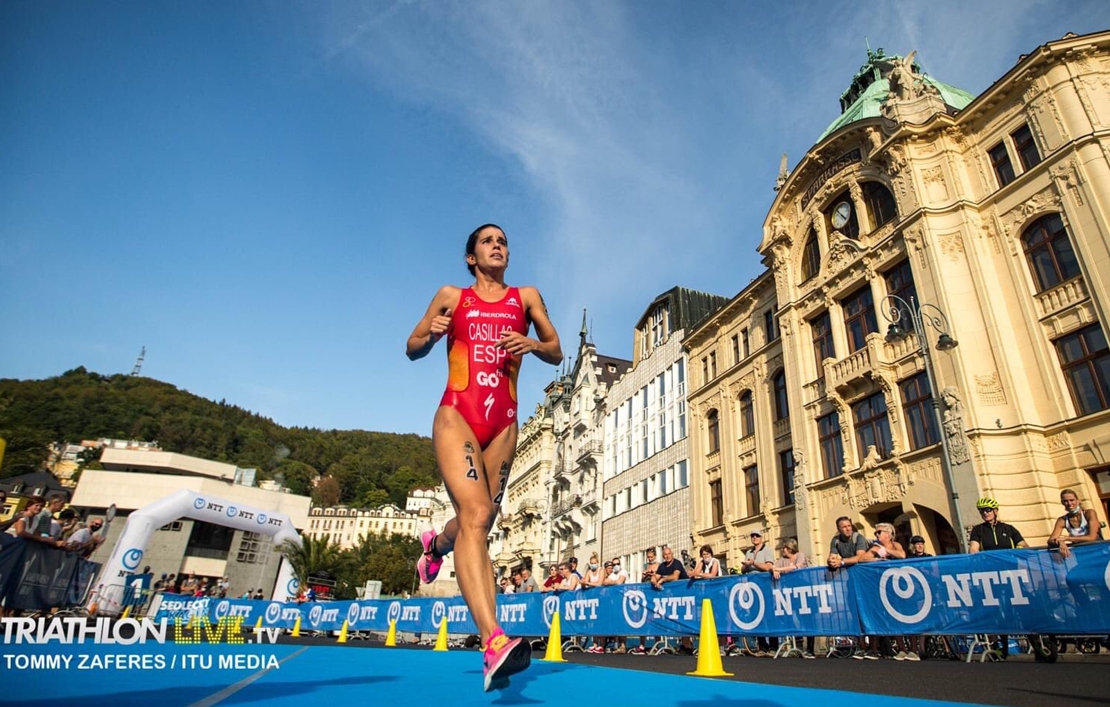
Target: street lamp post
895,309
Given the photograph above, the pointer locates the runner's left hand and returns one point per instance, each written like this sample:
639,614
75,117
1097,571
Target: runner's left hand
516,343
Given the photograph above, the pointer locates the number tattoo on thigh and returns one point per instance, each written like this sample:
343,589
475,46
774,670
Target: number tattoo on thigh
501,486
471,472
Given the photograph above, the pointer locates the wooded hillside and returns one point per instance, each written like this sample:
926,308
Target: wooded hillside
359,468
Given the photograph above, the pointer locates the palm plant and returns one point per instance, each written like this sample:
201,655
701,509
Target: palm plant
313,557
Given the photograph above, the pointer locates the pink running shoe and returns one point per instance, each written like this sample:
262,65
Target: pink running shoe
504,656
428,565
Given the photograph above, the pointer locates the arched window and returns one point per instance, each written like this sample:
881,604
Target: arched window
782,407
747,414
880,203
811,256
1049,251
714,422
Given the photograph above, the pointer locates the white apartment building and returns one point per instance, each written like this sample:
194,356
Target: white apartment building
646,501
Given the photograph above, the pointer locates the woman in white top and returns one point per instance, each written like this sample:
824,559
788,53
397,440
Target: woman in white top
1075,526
708,567
593,576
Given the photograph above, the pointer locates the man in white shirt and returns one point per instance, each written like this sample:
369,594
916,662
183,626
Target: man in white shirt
617,575
85,539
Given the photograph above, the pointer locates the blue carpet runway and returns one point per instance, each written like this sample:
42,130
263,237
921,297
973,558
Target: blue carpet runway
334,675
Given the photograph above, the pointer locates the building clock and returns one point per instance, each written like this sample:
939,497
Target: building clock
840,214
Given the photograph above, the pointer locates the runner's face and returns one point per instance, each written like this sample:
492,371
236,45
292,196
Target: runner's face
491,250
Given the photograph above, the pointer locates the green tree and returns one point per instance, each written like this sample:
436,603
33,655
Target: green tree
390,558
326,492
312,557
27,450
296,476
372,498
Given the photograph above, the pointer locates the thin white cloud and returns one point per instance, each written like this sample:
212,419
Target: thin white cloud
560,89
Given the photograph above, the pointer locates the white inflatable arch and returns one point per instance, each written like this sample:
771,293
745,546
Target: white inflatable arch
127,556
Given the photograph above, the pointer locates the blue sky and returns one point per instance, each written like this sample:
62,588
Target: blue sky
267,194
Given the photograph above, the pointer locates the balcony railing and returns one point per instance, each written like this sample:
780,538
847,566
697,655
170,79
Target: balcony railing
565,505
782,427
745,444
528,507
813,391
846,373
1061,297
588,448
563,467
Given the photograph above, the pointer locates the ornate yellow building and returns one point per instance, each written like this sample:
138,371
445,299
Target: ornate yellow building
978,227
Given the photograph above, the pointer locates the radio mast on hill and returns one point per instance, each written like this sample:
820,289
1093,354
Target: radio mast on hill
139,362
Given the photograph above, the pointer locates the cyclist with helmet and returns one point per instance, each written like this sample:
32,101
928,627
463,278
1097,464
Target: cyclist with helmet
993,534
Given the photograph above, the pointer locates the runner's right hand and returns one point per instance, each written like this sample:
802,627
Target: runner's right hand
440,324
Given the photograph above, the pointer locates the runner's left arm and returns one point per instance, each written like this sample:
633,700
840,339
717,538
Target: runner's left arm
546,344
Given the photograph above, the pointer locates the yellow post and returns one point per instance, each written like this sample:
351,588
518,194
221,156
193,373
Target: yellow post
126,612
554,652
441,639
709,652
391,637
296,627
258,625
343,633
3,446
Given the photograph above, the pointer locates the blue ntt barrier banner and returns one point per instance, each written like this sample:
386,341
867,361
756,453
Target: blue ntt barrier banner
1016,591
1011,591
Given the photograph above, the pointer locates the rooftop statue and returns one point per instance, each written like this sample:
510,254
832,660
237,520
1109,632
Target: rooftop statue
902,78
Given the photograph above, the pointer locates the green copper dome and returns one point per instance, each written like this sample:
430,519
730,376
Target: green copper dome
868,92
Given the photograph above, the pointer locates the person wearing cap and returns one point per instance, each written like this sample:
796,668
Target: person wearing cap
572,565
917,547
993,534
760,558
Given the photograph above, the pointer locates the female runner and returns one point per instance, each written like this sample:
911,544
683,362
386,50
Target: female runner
475,429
